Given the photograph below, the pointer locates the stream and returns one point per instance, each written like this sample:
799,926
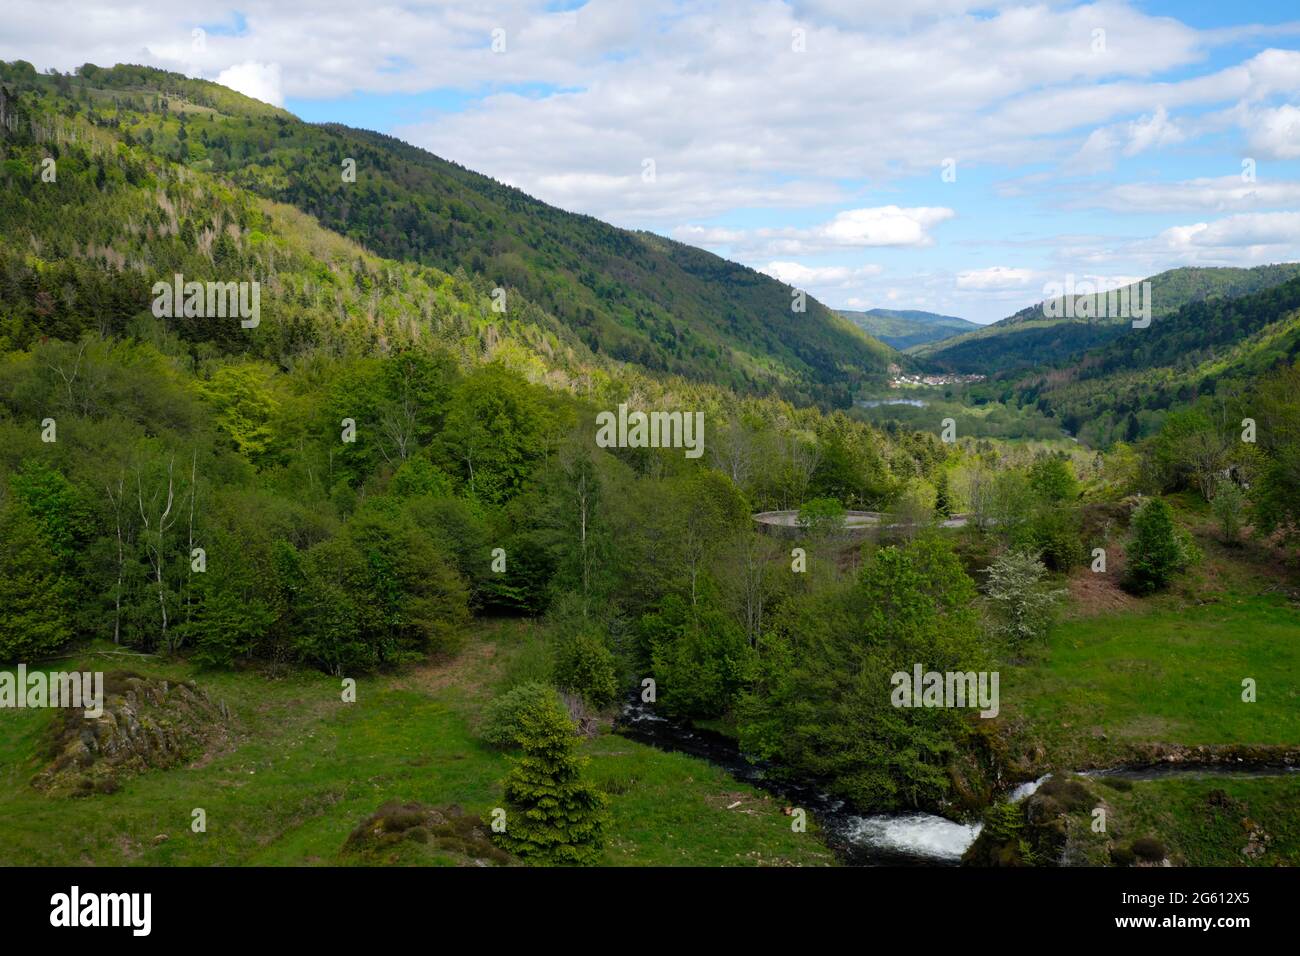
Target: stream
882,839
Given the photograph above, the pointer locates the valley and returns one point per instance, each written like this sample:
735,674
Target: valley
399,531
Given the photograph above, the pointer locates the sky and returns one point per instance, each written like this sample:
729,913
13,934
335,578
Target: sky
942,155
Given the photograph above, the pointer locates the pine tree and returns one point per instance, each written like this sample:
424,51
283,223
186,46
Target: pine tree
1154,553
553,816
942,497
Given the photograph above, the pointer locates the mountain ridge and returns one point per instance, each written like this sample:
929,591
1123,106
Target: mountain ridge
905,328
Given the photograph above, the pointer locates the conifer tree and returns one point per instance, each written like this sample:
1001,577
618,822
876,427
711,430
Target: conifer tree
1154,553
553,815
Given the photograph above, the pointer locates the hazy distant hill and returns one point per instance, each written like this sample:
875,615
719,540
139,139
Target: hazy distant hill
904,328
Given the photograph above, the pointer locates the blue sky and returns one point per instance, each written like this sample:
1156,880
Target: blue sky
806,138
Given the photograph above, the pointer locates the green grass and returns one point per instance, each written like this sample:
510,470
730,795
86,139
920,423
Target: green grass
1163,675
1200,820
1200,833
306,768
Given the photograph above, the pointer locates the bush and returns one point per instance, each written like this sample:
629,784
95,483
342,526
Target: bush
1023,606
503,719
700,657
1229,507
1122,856
821,516
1149,849
1053,532
34,595
584,665
1052,479
1069,794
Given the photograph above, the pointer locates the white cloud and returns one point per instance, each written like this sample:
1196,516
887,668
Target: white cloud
1216,194
1276,132
883,226
258,80
877,226
1097,153
1249,230
1152,131
801,276
995,278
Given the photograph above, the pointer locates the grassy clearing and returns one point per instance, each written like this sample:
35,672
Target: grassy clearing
1201,828
1162,676
1198,820
1167,669
306,768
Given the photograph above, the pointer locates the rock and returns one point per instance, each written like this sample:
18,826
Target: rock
146,724
448,829
1257,840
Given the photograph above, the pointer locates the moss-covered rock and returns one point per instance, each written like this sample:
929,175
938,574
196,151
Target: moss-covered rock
147,724
412,832
1040,830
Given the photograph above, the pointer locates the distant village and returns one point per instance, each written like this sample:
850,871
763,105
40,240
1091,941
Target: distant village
898,379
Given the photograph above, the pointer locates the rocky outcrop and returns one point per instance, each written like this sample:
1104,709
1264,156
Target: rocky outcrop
449,832
147,723
1038,831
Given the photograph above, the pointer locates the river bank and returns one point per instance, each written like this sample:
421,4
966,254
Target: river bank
919,838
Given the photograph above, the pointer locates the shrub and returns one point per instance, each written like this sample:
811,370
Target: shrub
821,516
584,665
34,595
1069,794
1229,507
1053,531
1149,849
1052,479
1023,606
503,718
699,655
1122,856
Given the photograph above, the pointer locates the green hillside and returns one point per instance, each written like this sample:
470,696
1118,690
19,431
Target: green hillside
1029,337
632,296
904,328
1124,389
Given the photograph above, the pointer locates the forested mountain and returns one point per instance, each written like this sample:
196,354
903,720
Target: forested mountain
632,296
904,328
238,428
1030,337
1124,389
